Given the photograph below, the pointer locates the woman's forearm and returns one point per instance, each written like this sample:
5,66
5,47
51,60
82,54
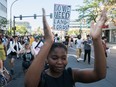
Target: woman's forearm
33,74
100,59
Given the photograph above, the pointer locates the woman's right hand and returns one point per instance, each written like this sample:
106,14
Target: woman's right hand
47,31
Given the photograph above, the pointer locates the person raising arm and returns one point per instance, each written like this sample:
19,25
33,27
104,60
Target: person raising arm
56,55
33,74
99,71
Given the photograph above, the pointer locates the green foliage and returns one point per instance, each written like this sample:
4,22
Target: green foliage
73,32
39,31
91,9
21,29
3,22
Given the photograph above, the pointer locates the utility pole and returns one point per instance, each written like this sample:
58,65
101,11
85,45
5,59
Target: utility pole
11,16
21,17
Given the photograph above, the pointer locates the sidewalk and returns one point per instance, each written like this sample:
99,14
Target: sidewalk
112,47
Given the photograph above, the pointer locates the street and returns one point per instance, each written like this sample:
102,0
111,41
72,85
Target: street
25,25
109,81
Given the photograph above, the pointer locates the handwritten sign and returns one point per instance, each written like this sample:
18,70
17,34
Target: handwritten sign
61,16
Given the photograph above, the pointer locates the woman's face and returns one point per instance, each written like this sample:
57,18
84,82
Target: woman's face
27,46
57,60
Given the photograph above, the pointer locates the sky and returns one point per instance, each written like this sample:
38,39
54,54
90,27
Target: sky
31,7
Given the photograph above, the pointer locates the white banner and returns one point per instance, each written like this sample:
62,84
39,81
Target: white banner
61,17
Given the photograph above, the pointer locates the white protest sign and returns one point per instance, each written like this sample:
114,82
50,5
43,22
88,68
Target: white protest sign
61,16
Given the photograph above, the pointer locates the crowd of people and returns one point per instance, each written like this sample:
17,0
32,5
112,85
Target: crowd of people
19,47
38,51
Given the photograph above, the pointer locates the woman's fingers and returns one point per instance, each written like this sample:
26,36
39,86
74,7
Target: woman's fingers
103,17
43,10
92,27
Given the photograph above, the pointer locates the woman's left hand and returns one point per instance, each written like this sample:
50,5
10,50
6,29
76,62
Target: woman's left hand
96,29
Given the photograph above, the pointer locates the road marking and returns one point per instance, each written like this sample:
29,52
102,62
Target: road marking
72,55
82,52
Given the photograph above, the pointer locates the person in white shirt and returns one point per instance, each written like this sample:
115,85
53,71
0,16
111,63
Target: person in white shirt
13,50
37,44
55,38
79,48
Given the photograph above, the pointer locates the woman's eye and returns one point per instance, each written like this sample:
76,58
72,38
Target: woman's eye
54,58
64,58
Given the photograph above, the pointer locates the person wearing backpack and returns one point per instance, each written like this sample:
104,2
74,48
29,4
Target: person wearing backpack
12,51
28,56
56,55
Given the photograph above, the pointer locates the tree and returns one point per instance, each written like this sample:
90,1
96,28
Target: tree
39,31
91,9
111,6
73,32
3,22
21,29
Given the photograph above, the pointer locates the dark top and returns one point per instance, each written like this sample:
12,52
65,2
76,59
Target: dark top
67,38
71,39
28,57
65,80
87,44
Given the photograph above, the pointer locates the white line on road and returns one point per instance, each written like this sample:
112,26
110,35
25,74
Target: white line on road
82,52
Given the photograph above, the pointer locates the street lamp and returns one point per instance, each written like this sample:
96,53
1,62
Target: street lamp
11,16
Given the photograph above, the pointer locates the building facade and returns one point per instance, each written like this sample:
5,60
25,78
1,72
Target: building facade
82,27
110,31
3,12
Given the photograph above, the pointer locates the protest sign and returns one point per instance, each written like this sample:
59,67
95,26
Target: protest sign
61,17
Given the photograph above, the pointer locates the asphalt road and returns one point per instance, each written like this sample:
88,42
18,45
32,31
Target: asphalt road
109,81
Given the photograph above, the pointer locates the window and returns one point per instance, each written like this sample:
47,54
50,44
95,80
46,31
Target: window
3,8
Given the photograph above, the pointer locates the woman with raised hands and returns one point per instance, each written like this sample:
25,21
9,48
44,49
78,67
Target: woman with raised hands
57,75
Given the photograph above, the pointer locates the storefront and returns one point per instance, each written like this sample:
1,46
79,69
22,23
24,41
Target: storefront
113,36
110,33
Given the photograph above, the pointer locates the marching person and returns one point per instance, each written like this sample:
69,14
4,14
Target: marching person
28,56
12,51
87,48
79,48
104,40
3,51
56,55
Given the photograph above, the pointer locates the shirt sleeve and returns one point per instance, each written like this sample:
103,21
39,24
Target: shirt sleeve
12,47
20,46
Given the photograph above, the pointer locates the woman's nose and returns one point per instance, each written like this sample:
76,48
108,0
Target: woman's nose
59,61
